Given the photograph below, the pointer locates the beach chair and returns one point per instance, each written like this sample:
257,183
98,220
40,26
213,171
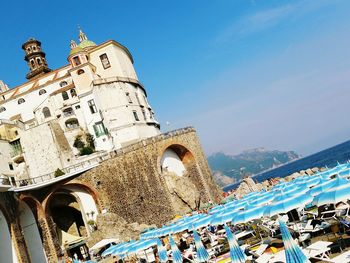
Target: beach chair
261,249
318,250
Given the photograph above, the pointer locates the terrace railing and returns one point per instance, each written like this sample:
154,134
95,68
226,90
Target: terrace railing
67,172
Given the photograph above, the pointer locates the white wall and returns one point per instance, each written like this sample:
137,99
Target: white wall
31,234
171,162
7,249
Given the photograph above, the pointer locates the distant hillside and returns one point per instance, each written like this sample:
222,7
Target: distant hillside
228,169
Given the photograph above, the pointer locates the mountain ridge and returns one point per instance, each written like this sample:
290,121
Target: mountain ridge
228,169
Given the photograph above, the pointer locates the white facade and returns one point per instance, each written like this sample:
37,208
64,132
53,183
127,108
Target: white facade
97,94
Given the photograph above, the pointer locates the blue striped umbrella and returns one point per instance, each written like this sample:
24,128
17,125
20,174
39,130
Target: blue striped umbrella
248,215
284,206
162,253
177,257
338,181
293,252
202,222
202,254
333,195
236,253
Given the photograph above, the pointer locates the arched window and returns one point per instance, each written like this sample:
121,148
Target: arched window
72,123
39,61
73,93
46,112
42,91
81,71
63,83
65,95
32,63
20,101
2,109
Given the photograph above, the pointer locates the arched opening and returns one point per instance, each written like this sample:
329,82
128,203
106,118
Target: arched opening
7,249
74,211
181,171
72,124
38,60
73,93
42,91
177,159
171,162
31,234
46,112
63,83
81,71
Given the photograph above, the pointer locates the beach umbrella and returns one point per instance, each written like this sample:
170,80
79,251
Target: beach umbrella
176,254
236,253
248,215
138,246
202,222
263,199
293,252
345,173
333,196
284,206
202,254
217,219
115,249
336,182
162,253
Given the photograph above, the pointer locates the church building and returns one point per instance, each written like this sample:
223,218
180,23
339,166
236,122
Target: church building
82,153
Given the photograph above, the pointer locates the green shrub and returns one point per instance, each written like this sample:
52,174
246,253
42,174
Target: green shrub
78,143
58,172
86,150
90,140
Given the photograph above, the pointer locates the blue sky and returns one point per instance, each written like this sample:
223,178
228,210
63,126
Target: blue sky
245,74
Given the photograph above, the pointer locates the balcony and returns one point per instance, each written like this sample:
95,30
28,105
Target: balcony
39,182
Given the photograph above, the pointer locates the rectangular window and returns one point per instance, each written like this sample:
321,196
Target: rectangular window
11,166
128,97
76,61
135,115
137,98
92,106
144,115
77,107
150,114
65,95
99,129
105,61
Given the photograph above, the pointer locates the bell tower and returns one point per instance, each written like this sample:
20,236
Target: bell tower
35,58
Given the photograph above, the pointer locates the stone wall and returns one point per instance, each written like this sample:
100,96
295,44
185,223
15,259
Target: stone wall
133,186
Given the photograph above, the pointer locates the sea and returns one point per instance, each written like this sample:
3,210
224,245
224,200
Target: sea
329,157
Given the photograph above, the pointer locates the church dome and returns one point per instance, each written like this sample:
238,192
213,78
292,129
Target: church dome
86,44
75,50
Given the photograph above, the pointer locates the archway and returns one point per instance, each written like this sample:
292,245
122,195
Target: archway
7,249
177,159
31,234
74,211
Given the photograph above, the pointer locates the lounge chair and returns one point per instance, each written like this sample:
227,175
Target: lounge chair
261,249
318,250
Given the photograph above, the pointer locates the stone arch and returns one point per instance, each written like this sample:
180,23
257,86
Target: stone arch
172,155
73,209
7,246
182,173
29,225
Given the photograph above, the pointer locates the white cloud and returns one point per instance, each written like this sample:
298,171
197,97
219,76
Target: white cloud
264,19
